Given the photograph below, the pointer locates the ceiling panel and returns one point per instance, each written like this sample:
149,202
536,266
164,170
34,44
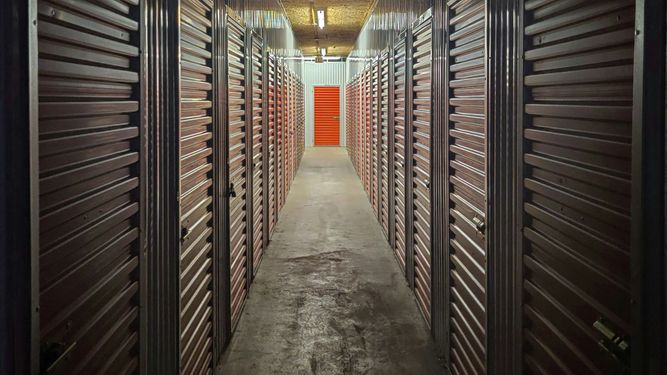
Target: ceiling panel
343,21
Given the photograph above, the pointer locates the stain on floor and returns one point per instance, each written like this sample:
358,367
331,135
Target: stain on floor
329,297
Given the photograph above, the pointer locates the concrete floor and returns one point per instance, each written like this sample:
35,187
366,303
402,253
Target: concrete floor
329,297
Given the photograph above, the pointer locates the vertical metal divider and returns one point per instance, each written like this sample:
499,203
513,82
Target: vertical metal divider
439,151
265,144
446,185
504,87
390,143
219,180
175,229
225,314
378,135
409,203
249,164
648,194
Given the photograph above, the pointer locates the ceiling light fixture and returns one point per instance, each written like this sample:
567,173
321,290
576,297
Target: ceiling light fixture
320,19
323,52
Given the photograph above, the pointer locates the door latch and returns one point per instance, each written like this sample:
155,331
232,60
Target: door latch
232,192
480,225
617,346
185,232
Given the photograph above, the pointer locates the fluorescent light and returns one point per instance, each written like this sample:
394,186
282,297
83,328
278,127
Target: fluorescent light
320,19
323,52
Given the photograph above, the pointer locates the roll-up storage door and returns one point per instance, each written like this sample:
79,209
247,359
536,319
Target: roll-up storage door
399,149
237,161
89,185
467,184
258,162
384,144
421,162
280,178
271,165
196,187
577,138
375,137
349,124
368,130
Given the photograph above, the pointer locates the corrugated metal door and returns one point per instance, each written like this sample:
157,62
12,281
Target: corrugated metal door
273,200
196,187
237,161
421,163
467,184
327,115
366,97
258,162
89,186
399,150
280,177
577,185
384,144
375,137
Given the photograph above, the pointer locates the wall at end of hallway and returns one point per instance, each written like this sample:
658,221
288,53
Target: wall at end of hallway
324,74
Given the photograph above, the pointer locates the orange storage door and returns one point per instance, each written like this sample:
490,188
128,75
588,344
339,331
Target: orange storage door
327,116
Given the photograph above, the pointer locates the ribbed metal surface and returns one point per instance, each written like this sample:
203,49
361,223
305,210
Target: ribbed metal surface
375,136
467,189
272,118
384,143
421,162
280,159
258,163
89,180
399,150
237,160
577,182
196,192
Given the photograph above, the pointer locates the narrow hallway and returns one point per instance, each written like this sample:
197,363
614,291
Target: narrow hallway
329,297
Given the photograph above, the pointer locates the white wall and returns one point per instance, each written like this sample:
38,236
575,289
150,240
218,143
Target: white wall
324,74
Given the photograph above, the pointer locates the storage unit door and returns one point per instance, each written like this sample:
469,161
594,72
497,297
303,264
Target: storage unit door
280,180
196,188
375,140
399,150
421,163
327,113
368,125
271,165
258,163
89,187
467,185
236,154
577,186
384,144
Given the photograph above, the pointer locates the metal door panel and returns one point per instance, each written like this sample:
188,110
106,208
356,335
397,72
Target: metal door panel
272,189
420,154
258,163
89,182
467,184
576,184
399,151
237,158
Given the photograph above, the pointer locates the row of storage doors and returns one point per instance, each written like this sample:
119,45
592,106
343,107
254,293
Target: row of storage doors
233,148
574,180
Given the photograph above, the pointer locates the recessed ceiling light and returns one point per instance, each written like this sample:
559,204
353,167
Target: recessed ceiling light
323,52
320,18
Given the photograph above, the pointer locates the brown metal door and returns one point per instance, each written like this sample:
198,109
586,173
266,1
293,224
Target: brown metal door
237,164
368,125
577,185
196,187
280,170
467,184
375,139
89,184
258,162
273,187
399,150
421,163
384,142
